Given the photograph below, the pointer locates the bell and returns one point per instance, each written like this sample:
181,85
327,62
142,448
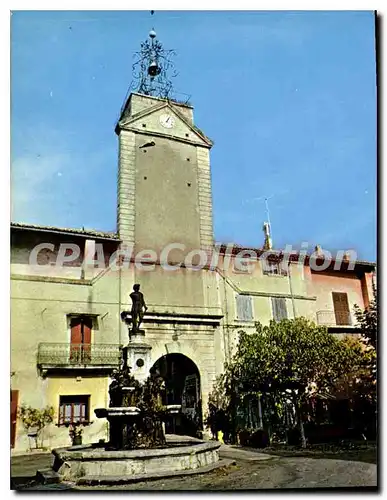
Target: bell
153,69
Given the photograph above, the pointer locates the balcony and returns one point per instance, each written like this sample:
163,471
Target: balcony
332,318
65,356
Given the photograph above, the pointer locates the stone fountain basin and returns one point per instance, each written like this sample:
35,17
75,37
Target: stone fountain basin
180,454
124,411
120,411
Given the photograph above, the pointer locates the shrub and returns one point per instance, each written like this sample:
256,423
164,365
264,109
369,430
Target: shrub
259,439
36,419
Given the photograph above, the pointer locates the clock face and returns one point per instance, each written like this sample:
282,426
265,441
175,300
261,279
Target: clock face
167,121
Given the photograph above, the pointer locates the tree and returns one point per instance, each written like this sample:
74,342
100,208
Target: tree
367,319
290,359
36,419
361,384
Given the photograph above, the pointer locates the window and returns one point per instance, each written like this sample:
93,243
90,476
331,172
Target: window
341,307
279,308
273,269
73,409
244,307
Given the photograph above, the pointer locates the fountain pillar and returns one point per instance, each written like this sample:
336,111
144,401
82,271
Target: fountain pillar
137,354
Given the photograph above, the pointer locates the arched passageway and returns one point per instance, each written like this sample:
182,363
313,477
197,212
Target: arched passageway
182,387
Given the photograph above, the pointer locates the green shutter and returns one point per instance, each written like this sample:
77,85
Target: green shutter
279,308
244,307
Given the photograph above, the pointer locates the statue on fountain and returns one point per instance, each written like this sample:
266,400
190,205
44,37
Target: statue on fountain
137,312
138,308
137,409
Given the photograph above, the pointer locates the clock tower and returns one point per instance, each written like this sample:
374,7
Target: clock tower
164,201
164,182
164,213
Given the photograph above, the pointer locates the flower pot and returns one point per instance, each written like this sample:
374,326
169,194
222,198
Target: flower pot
77,440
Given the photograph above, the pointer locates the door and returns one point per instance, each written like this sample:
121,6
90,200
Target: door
86,326
341,307
190,399
76,340
14,402
80,348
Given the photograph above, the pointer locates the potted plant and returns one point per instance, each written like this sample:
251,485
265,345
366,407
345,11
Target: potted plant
75,432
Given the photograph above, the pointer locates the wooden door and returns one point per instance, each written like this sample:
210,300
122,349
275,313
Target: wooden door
14,402
86,327
80,349
76,340
341,307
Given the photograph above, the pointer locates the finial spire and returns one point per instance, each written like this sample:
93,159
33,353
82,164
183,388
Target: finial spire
153,68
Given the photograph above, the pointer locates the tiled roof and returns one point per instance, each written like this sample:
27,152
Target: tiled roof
235,249
66,230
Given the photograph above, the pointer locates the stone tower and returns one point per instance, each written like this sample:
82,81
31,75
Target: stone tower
164,198
165,213
164,182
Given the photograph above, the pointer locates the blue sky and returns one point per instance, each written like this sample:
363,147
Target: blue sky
289,99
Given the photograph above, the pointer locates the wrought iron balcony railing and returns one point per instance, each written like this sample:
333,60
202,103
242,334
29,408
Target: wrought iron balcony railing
334,318
67,355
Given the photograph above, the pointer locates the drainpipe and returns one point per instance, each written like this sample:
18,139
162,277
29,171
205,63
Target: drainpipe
291,289
119,304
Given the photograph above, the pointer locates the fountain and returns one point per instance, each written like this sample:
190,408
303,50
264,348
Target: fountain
137,448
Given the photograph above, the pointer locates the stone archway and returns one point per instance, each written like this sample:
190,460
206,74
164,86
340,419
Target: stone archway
182,387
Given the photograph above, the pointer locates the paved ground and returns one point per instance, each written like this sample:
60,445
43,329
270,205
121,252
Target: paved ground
252,471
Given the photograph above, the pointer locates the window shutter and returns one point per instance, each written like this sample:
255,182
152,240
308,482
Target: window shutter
282,308
279,308
341,308
275,309
14,403
244,307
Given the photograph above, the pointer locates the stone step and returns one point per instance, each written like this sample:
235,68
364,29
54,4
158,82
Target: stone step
50,487
47,476
136,478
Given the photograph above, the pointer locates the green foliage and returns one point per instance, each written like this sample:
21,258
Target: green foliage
367,319
290,355
33,418
75,430
218,397
36,419
147,432
285,364
361,380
